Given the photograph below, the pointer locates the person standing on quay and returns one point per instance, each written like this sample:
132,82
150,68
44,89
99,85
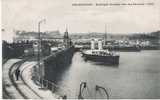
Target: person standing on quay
17,73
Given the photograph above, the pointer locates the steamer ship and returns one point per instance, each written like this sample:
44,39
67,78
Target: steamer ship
100,55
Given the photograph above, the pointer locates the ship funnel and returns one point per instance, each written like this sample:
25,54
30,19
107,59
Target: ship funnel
92,45
99,45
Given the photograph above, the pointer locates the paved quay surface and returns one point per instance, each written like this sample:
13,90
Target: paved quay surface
9,88
24,88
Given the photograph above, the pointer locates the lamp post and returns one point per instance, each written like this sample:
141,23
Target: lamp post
39,47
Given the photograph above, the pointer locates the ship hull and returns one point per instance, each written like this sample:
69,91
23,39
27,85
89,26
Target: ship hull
109,59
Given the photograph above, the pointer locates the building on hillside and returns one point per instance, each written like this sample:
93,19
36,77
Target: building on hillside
23,36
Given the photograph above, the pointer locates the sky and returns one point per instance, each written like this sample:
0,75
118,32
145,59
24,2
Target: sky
59,14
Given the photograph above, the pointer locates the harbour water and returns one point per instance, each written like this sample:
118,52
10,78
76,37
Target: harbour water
137,76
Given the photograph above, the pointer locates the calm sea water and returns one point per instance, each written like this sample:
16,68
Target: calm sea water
137,76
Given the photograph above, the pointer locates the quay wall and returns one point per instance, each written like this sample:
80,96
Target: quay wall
125,48
56,64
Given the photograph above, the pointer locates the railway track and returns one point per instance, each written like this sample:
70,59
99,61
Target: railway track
21,91
5,93
11,73
26,83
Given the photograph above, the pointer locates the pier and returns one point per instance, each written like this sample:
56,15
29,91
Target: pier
36,76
